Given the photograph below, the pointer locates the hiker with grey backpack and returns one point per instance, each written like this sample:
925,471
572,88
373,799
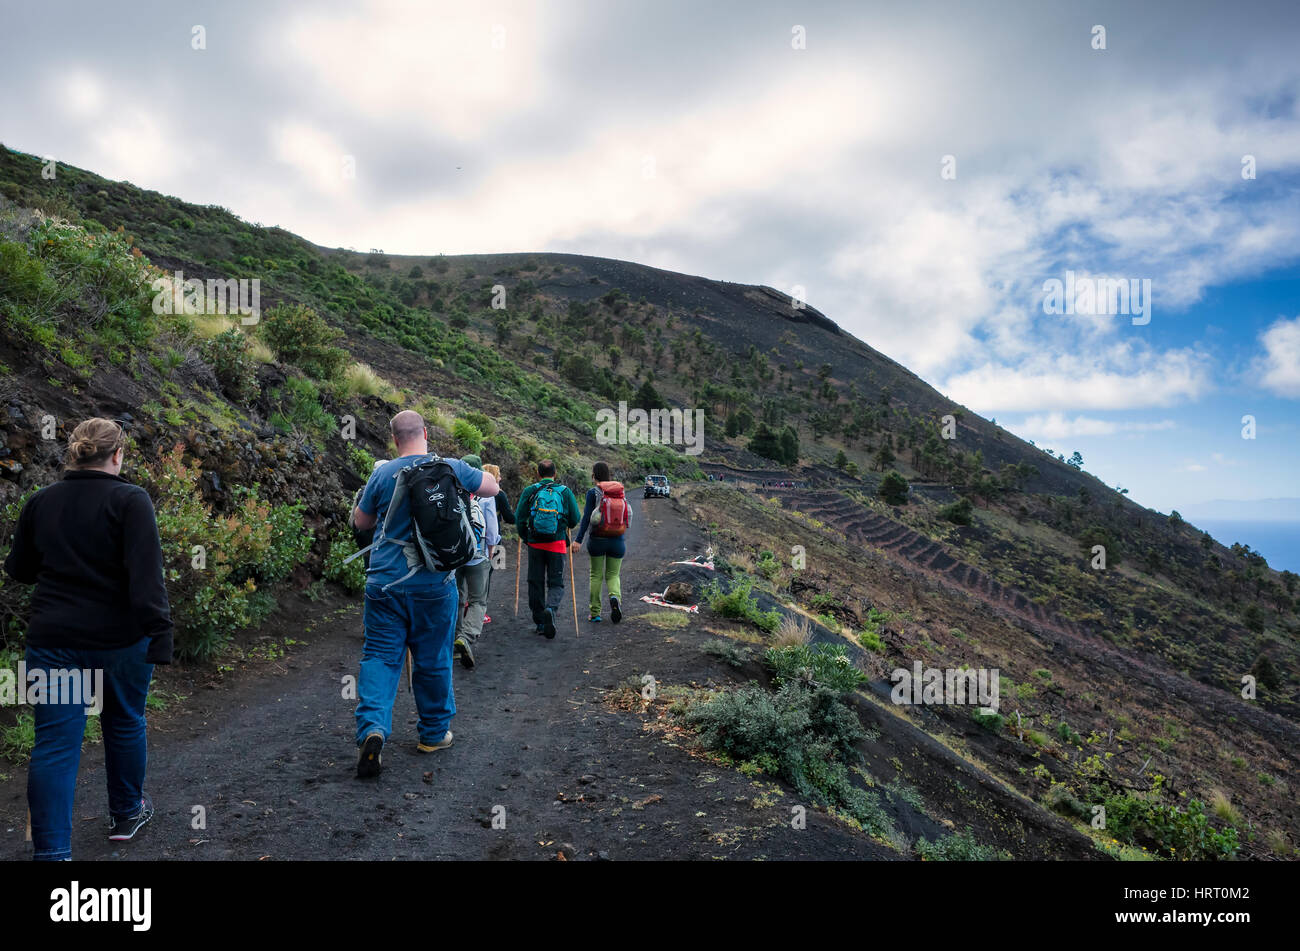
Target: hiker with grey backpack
547,510
426,526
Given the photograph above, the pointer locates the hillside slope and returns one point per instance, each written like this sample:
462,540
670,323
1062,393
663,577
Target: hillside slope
1120,685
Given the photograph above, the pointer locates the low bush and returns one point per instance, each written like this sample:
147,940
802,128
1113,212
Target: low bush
958,847
213,563
297,334
825,665
1166,828
352,576
235,369
739,605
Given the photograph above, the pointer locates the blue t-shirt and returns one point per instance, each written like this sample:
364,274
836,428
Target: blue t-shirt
387,560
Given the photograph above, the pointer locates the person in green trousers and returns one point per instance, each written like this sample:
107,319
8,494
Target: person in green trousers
607,516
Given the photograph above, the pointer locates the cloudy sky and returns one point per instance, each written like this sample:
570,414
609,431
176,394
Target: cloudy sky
918,170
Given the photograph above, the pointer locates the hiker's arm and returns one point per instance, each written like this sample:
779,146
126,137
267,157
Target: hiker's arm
505,511
363,518
488,487
142,555
23,562
586,516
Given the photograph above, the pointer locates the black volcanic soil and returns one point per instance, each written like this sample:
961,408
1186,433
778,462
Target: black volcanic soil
270,755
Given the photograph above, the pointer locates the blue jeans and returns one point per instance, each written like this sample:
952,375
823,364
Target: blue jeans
423,620
52,776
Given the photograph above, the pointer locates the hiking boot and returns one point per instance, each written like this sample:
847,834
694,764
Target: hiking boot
434,747
615,609
465,653
548,627
594,618
372,760
124,830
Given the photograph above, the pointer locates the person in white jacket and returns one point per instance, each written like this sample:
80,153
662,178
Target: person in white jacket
474,578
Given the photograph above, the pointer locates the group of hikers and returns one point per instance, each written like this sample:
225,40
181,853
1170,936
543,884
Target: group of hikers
90,545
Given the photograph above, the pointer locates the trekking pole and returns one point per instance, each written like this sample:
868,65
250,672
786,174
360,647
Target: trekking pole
410,673
573,590
519,554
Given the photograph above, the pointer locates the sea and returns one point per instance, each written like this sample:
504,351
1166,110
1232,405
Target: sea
1279,542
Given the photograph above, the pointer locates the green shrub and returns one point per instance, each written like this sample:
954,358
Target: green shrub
767,565
733,654
959,512
352,576
65,280
480,421
893,488
958,847
739,605
468,436
993,722
236,371
297,334
825,665
213,562
300,408
363,463
806,737
870,639
1181,833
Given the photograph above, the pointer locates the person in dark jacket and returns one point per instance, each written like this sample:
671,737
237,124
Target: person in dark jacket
99,615
544,528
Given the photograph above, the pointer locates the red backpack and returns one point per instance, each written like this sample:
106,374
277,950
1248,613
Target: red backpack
614,513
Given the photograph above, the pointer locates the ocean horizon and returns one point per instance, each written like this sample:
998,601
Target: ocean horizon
1279,542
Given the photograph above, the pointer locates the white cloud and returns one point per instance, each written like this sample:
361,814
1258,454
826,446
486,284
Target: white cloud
1059,426
1279,368
457,69
1122,376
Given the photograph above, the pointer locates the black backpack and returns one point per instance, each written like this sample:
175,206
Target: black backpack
446,526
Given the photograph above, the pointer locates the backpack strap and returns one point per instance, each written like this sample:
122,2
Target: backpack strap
400,491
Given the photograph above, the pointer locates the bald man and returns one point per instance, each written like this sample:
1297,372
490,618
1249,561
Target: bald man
418,613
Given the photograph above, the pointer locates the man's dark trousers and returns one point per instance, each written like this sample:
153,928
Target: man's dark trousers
545,583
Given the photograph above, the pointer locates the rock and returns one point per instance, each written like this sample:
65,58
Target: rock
10,468
680,592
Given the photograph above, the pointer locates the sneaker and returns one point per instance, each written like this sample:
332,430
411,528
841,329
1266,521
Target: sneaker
615,609
487,619
456,647
124,830
434,747
372,759
594,618
548,628
465,652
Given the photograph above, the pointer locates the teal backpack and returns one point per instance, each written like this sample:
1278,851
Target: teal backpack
546,509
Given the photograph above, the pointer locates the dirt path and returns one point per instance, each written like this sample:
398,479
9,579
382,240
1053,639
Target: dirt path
270,758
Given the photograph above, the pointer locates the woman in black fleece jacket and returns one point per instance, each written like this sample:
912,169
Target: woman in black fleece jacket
99,613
